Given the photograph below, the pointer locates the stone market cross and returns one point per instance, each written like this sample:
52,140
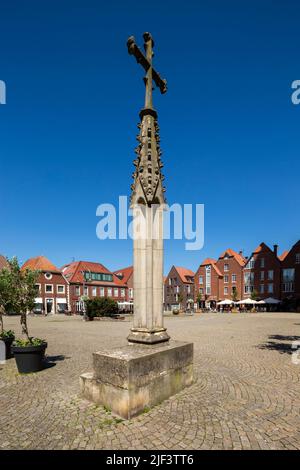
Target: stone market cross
150,368
147,202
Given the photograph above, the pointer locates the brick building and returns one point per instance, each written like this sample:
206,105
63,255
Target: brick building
231,265
52,288
217,280
179,288
91,279
290,276
206,283
262,273
126,276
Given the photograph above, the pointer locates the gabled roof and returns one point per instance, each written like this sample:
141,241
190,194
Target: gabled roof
283,255
73,273
261,247
238,257
208,261
3,262
212,262
40,263
184,274
124,274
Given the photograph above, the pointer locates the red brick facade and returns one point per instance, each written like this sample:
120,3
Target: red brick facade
262,273
206,283
179,288
290,275
92,280
126,276
231,265
52,288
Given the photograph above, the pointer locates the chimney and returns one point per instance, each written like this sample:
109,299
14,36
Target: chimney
241,252
275,250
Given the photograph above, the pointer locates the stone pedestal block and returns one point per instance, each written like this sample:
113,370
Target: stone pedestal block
134,377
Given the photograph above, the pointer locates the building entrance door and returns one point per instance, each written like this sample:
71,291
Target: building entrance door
49,306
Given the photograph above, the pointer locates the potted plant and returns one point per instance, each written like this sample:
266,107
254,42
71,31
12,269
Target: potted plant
6,295
29,352
7,336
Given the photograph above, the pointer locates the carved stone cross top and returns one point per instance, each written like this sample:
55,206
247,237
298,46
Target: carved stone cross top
146,63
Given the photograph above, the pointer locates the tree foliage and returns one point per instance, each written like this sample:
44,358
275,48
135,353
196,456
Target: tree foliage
17,292
101,307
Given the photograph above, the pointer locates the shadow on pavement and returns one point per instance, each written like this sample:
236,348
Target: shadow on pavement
281,347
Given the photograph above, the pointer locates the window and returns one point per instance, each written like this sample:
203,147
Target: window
226,267
262,262
288,275
262,288
233,289
248,289
208,279
288,287
38,288
201,290
170,281
297,258
102,291
270,288
109,292
270,275
251,263
86,290
60,289
188,289
200,279
48,276
233,278
116,292
226,278
77,290
131,293
225,290
49,288
94,291
90,276
249,278
122,292
262,275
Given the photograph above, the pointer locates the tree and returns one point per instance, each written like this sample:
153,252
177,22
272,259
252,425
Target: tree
199,299
7,294
254,295
234,295
22,286
180,299
101,307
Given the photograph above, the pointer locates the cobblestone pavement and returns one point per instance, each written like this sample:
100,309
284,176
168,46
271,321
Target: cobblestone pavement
246,394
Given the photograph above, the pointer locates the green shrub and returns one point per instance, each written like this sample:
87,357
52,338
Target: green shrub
23,343
101,307
7,334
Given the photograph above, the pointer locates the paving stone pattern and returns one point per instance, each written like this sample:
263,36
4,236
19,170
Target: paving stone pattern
246,393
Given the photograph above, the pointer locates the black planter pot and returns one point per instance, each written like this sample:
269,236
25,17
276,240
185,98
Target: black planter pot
29,358
8,342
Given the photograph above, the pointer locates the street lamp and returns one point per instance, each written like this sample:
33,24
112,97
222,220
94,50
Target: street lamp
84,297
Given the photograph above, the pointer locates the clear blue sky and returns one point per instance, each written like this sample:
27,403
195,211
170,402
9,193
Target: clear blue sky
229,131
